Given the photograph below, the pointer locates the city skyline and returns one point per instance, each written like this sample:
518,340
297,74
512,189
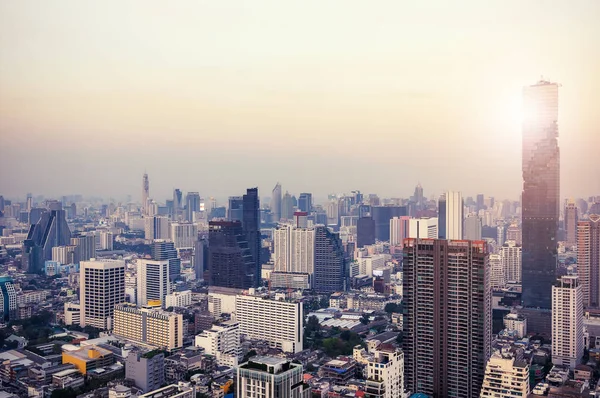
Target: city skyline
364,101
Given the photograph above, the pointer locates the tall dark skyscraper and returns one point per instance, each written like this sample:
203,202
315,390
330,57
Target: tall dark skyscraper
447,316
541,190
50,231
330,271
230,261
287,207
365,232
305,202
165,250
442,217
251,226
382,216
480,201
235,211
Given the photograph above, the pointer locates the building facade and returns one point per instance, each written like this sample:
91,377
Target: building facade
588,260
567,322
149,326
147,370
230,261
223,342
505,377
101,287
269,377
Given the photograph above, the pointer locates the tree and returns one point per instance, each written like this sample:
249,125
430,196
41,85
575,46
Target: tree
400,338
392,307
365,319
312,325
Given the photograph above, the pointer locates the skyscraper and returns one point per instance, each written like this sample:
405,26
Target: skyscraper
251,227
8,299
192,205
235,211
571,218
287,207
152,281
164,250
510,254
230,261
454,215
472,227
276,203
101,287
86,246
177,203
156,227
447,316
541,189
50,231
145,193
588,260
442,216
382,216
365,232
305,202
399,230
567,322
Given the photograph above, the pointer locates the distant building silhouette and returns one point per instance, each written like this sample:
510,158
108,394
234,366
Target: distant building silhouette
192,205
251,227
276,203
382,216
50,231
287,207
588,260
305,202
365,232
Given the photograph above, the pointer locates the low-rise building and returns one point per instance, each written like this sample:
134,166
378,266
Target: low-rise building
385,373
506,375
70,378
222,341
265,377
87,358
147,370
149,326
180,390
339,370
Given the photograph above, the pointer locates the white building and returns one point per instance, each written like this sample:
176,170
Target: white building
156,227
101,287
385,373
150,326
366,264
221,300
270,377
511,261
567,322
497,278
178,299
399,228
423,228
454,215
72,313
152,281
222,341
517,323
294,249
277,321
505,377
184,235
473,227
106,240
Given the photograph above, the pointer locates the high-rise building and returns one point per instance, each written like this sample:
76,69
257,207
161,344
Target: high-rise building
184,235
365,232
571,218
305,202
223,342
156,227
287,207
276,203
454,215
399,230
86,246
266,377
513,232
177,204
165,250
251,227
235,211
506,376
146,370
8,299
480,202
65,254
200,258
50,231
423,228
179,299
101,287
107,240
230,261
382,216
442,216
278,322
152,281
567,322
588,260
541,190
473,227
149,326
145,193
192,205
510,254
497,276
447,316
385,373
330,267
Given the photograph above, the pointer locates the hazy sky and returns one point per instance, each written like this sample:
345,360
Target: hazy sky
323,96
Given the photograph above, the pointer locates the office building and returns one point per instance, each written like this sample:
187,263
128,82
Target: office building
156,227
571,219
230,261
223,342
423,228
276,203
101,287
152,281
473,226
480,204
107,240
251,227
162,250
72,312
184,235
86,246
454,215
287,207
269,377
588,260
279,322
510,254
148,326
513,232
541,192
497,276
192,206
399,230
330,266
146,370
447,316
516,322
179,299
8,299
500,233
365,232
200,258
305,202
381,216
385,373
65,254
145,193
50,231
88,358
177,204
442,216
506,376
235,211
567,322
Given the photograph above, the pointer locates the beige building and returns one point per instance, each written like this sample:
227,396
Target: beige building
101,287
149,326
505,377
72,314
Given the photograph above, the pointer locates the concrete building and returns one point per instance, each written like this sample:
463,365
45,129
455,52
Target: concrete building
65,254
192,206
107,240
505,377
447,316
473,227
86,246
184,235
8,299
423,228
571,219
399,230
511,254
270,377
88,358
497,276
385,373
152,281
223,342
567,322
51,230
156,227
276,203
178,299
147,370
145,193
149,326
454,215
516,322
101,287
180,390
588,260
279,322
72,313
230,261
